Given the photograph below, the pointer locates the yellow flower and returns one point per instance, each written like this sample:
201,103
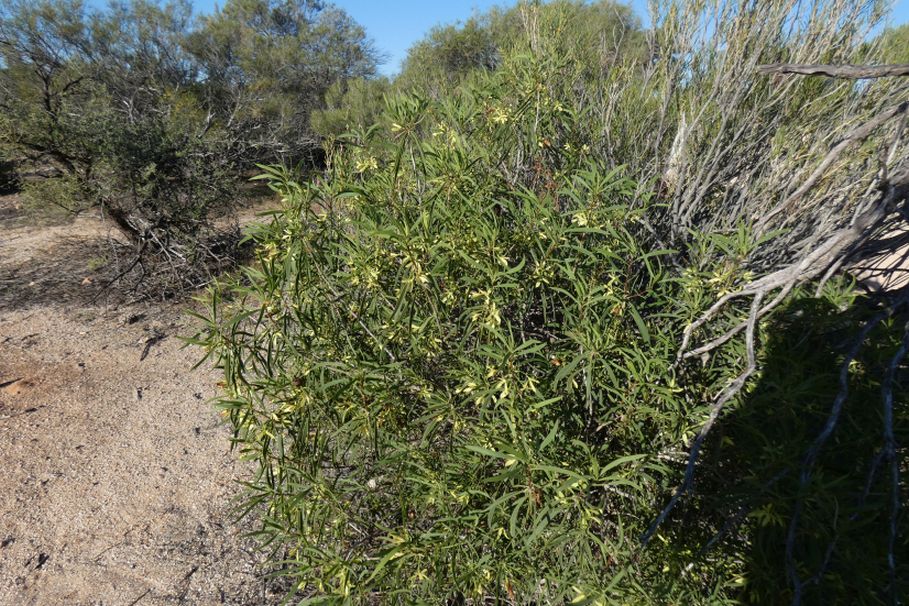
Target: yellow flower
499,115
365,164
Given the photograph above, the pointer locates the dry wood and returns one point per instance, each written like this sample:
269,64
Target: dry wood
856,135
828,248
850,72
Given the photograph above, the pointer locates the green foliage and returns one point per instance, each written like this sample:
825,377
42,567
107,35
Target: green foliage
895,44
594,34
455,386
56,198
752,465
351,106
447,54
268,65
454,359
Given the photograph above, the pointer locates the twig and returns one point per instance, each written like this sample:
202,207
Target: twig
829,252
27,411
786,278
708,347
136,601
892,456
122,273
156,338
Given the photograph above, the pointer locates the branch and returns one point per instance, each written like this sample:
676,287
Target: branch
851,72
892,455
734,387
856,135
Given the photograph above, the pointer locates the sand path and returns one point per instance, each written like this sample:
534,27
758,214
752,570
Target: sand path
116,478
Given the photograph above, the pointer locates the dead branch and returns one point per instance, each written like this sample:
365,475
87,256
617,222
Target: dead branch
727,394
824,256
856,135
849,72
826,432
890,453
814,264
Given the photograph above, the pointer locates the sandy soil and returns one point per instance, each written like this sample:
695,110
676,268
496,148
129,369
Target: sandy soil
116,480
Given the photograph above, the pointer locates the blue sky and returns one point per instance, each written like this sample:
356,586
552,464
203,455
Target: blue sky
396,25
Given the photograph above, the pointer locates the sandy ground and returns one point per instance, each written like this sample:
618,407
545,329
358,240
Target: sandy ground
116,480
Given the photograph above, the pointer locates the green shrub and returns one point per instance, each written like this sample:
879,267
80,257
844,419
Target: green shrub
54,198
456,386
454,360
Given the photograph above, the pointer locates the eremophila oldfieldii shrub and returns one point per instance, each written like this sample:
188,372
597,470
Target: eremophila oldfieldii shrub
454,362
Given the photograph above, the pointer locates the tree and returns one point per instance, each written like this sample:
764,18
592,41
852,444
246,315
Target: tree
107,98
267,64
46,76
351,106
156,117
593,33
447,54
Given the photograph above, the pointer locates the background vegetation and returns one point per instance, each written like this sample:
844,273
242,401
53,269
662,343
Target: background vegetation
158,117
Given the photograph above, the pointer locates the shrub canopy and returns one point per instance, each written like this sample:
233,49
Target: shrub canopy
451,376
